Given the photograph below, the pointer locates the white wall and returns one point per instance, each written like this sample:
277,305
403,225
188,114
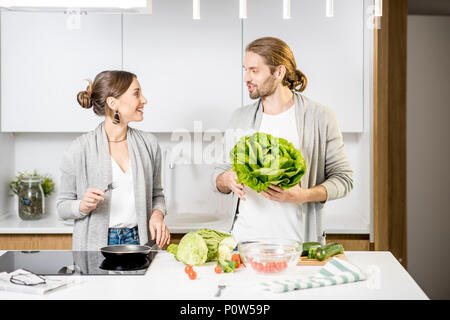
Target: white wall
428,153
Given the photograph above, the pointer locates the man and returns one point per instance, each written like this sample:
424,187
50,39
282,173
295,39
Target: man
272,77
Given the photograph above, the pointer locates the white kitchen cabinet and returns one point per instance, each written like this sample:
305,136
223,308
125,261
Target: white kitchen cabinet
189,70
44,65
328,50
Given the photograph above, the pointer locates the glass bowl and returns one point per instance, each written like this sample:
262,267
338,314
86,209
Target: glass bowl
270,255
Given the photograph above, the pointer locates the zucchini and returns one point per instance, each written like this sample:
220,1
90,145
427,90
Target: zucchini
312,252
329,250
307,246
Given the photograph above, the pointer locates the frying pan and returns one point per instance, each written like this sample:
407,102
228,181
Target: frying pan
128,251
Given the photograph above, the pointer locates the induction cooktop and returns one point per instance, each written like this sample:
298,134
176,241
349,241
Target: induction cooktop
62,262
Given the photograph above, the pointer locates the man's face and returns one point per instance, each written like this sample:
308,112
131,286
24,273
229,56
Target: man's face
260,82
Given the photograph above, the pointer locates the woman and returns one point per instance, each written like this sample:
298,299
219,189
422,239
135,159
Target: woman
116,154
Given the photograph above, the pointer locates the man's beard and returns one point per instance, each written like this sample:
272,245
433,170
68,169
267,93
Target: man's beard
268,87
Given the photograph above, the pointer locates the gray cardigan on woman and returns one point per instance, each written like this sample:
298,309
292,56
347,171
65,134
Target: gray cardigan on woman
321,146
87,164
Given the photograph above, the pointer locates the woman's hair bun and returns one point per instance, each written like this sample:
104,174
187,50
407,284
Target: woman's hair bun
84,97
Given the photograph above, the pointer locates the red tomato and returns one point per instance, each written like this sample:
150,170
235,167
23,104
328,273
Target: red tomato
188,269
236,257
218,269
261,267
281,265
258,266
192,275
269,267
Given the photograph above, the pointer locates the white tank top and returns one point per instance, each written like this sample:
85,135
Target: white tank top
123,208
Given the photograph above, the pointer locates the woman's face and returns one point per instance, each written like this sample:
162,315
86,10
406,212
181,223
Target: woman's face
130,105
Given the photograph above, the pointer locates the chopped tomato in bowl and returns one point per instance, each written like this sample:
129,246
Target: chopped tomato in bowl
269,255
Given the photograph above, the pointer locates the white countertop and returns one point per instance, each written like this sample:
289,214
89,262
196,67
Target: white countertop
10,223
166,279
48,224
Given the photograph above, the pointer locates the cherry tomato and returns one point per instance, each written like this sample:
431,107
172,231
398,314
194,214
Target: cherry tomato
218,269
188,269
269,267
258,266
281,265
236,257
192,275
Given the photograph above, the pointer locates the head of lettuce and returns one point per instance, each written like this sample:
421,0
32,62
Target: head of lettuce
261,160
204,245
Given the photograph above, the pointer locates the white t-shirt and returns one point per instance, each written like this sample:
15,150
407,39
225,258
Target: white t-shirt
261,217
123,207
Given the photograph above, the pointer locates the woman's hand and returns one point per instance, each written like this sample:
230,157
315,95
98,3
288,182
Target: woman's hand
92,197
296,194
158,229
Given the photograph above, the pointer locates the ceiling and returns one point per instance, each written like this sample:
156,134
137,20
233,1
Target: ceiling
429,7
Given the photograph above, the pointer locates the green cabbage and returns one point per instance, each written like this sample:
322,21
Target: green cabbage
172,248
204,245
192,249
261,160
212,239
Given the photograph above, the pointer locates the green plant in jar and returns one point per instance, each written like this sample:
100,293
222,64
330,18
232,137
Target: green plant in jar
31,189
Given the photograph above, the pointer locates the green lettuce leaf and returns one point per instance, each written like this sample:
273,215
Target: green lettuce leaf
261,160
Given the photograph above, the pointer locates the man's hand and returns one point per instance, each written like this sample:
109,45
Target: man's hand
227,182
158,228
296,194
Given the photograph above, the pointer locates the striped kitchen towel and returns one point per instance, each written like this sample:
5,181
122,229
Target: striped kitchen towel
336,271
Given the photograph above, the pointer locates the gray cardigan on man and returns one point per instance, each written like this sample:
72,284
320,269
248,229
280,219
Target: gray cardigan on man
87,164
321,146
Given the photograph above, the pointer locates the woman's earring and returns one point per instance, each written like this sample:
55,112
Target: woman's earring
116,119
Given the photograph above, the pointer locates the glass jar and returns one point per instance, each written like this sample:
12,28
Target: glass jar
31,199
